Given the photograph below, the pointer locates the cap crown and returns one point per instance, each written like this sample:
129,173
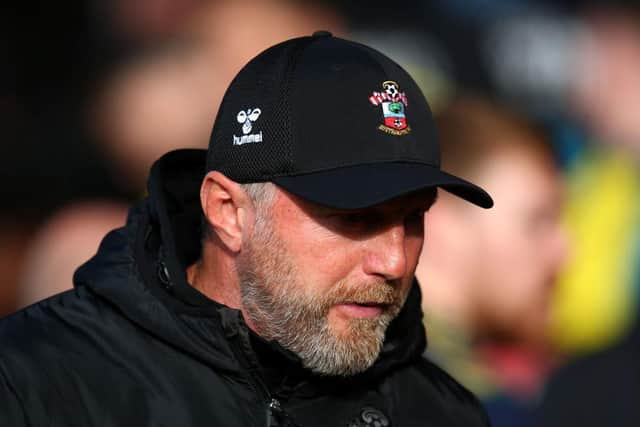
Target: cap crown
308,105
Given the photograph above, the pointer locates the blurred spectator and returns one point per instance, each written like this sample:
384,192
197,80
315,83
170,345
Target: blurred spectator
607,93
597,310
489,276
50,59
597,294
169,98
65,241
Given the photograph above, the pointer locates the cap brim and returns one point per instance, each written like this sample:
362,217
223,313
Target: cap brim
361,186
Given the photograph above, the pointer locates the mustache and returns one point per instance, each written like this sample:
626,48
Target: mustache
377,293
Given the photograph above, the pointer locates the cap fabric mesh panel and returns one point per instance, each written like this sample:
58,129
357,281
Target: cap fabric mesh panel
258,162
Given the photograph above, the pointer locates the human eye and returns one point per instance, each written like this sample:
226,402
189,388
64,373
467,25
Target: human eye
351,219
355,221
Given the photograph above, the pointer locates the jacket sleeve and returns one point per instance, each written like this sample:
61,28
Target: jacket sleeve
12,412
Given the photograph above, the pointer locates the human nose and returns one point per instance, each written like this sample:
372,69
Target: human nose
386,255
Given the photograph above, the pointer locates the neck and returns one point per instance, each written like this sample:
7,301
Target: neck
214,275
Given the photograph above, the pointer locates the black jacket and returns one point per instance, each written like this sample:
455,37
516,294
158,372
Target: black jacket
134,345
597,389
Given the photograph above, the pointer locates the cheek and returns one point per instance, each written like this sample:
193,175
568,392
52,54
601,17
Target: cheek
515,261
413,248
500,253
322,258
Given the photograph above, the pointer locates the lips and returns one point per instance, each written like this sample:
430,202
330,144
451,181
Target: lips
365,301
364,310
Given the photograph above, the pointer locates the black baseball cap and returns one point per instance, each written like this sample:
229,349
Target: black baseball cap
332,121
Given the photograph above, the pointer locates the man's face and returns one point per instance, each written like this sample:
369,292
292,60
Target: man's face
523,245
326,283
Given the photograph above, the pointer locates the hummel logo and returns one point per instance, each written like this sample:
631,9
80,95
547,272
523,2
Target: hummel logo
246,118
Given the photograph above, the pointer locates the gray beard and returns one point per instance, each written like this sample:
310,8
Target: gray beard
274,298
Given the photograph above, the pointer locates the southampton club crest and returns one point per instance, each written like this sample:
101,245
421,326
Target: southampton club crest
393,103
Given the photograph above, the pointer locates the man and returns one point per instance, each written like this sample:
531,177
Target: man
488,277
296,306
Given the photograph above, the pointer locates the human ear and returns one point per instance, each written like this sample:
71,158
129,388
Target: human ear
227,208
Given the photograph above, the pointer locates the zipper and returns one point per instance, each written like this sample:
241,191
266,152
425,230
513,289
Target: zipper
277,416
240,345
274,412
274,408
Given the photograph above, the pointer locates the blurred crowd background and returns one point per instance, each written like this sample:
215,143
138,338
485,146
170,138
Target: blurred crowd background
532,304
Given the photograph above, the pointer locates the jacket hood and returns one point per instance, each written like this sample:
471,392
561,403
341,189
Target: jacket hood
140,269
